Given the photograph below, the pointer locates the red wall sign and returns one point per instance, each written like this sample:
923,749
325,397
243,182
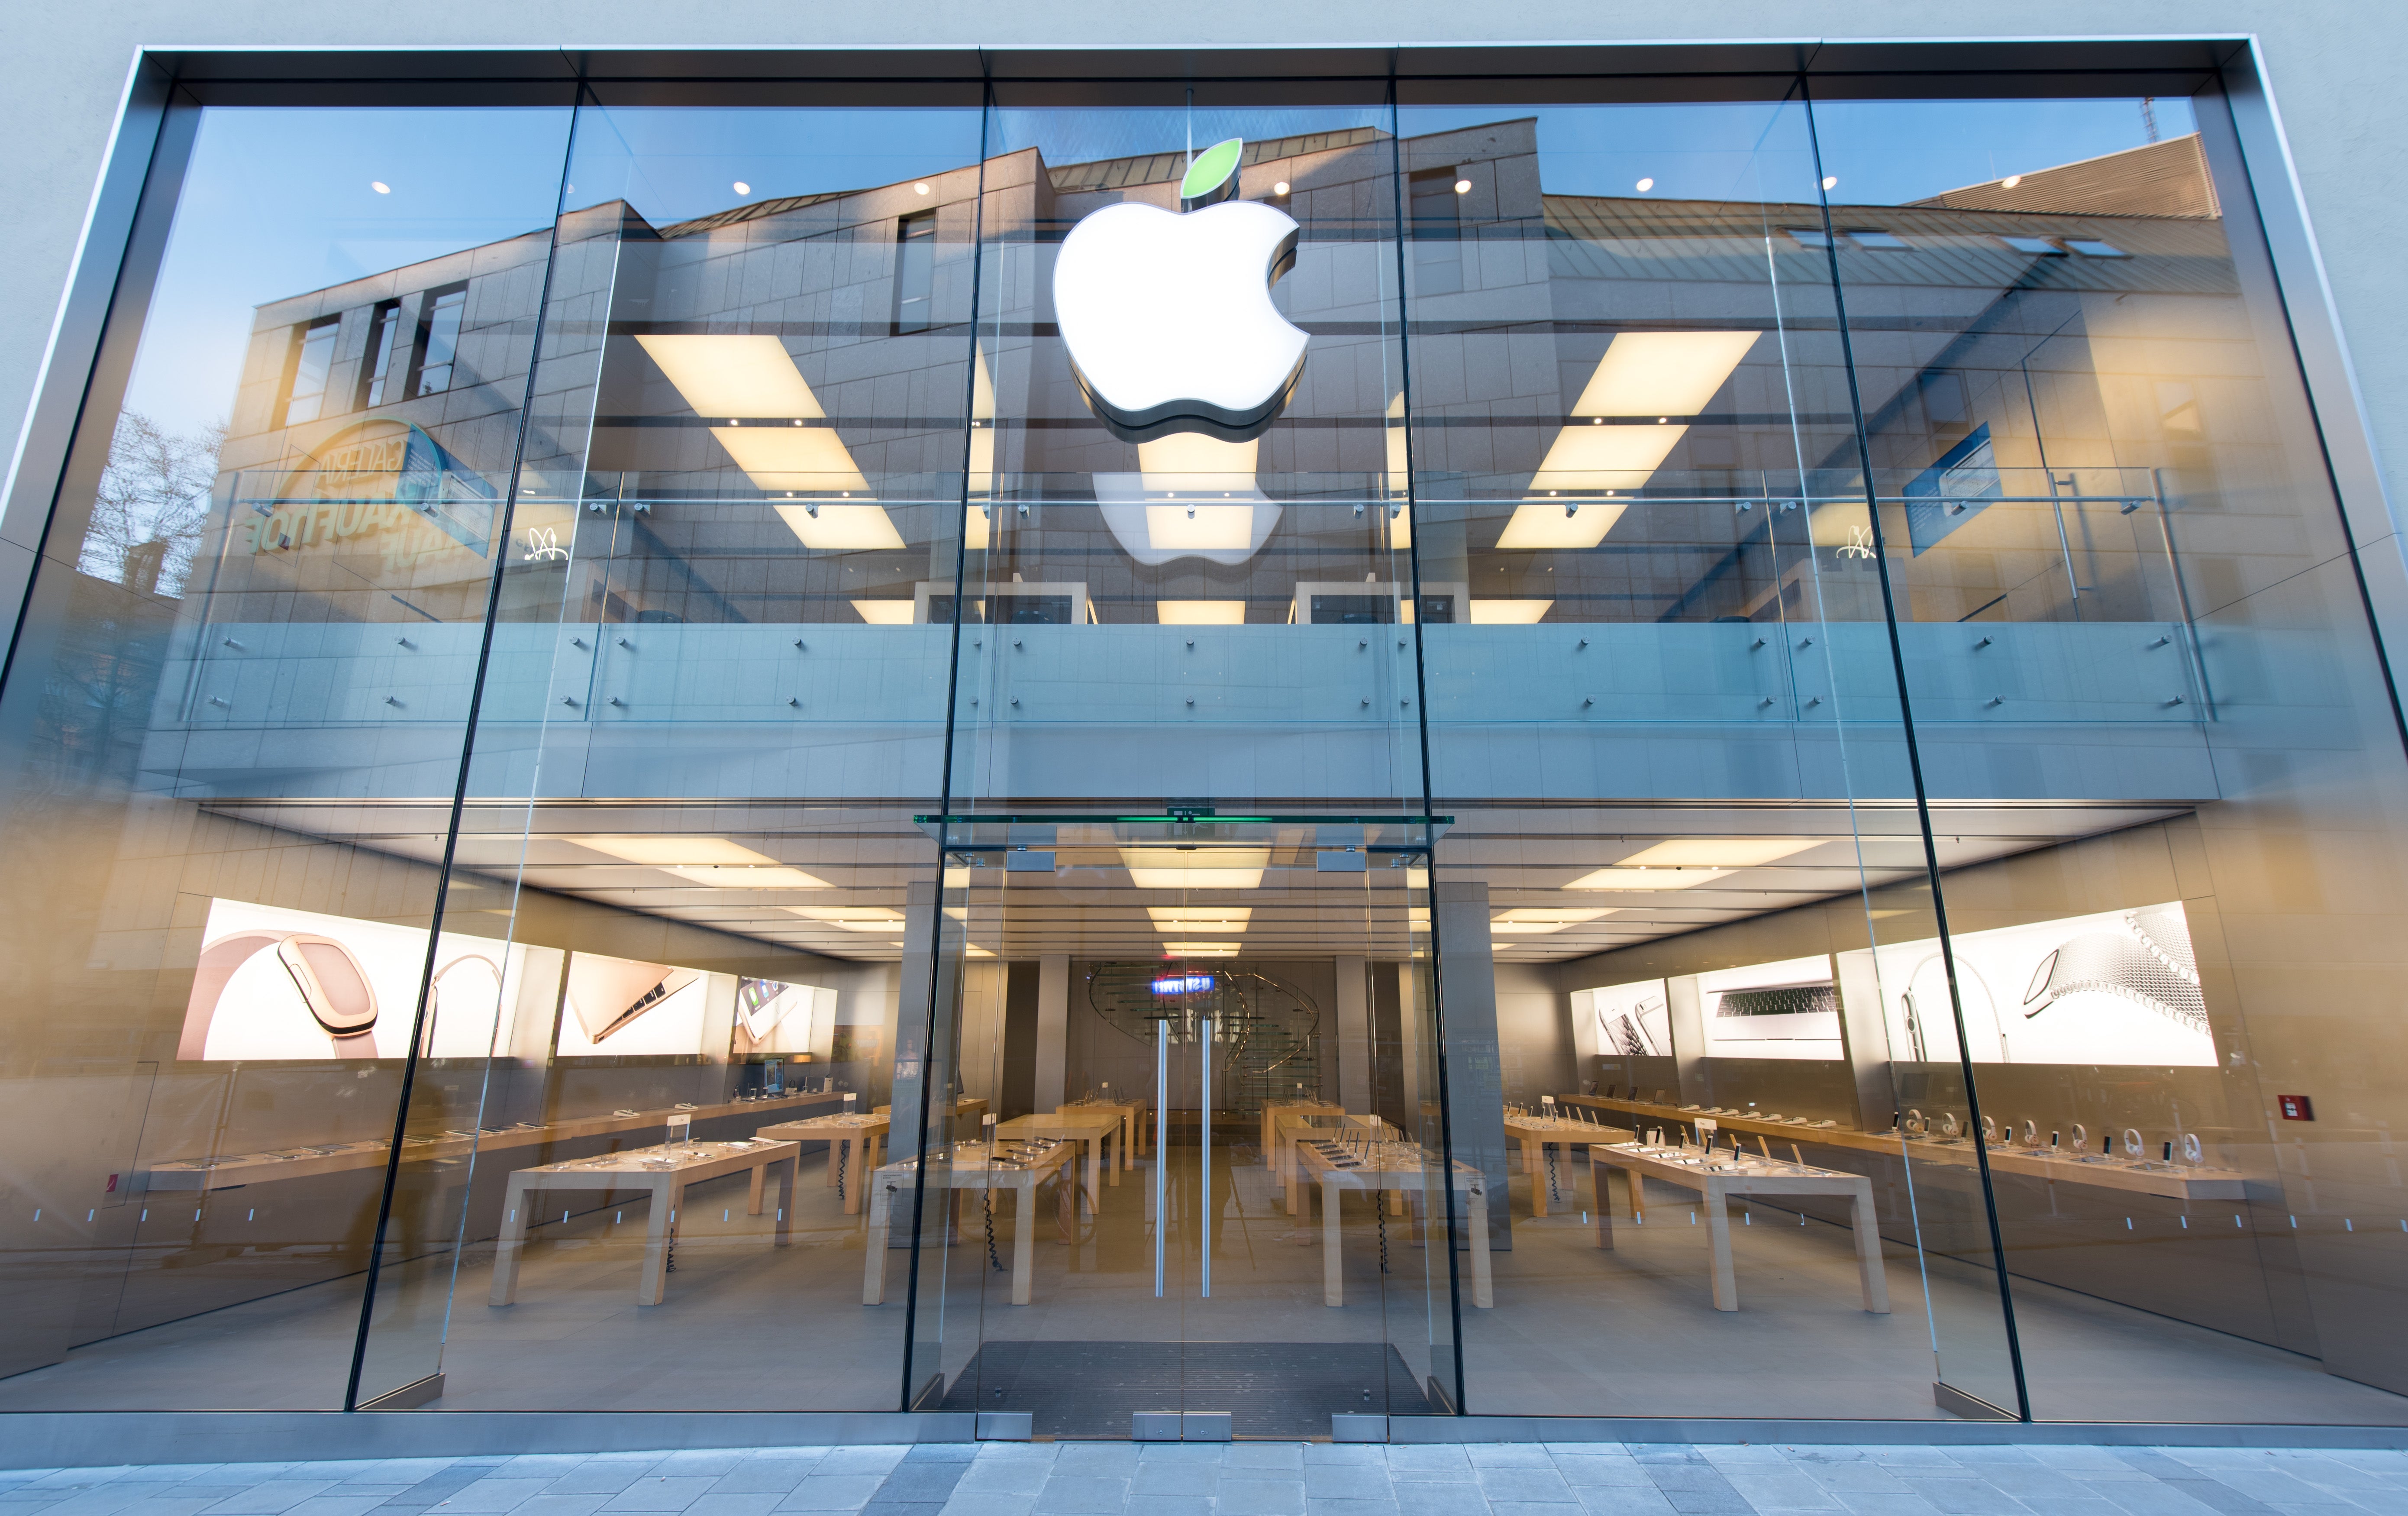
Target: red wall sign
2297,1108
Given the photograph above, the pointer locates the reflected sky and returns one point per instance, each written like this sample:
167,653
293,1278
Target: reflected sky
279,202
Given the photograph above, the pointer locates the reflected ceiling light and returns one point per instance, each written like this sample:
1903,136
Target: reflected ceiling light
1219,918
1605,457
659,848
974,950
837,527
920,188
380,186
1531,929
1567,524
1200,613
982,479
853,914
1662,373
1510,612
741,188
1831,182
810,460
1195,868
2011,182
1191,461
1646,185
740,877
1201,949
1561,916
1648,878
1720,851
1463,186
884,613
1280,188
748,378
1199,527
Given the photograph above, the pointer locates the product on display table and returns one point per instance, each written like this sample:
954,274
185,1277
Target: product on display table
1275,1109
967,1108
667,1171
1386,1171
1718,1174
1919,1140
1094,1127
1004,1165
1536,1133
1293,1124
853,1142
1132,1115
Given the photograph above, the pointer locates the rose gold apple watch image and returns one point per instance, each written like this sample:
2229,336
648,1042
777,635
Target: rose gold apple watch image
328,978
608,993
434,999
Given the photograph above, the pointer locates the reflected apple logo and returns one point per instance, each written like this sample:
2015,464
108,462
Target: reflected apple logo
1168,315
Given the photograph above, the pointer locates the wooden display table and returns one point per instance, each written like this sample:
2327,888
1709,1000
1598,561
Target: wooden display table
1275,1109
2177,1182
1286,1127
968,1167
1535,1132
1384,1170
1688,1167
1132,1115
965,1108
1094,1128
854,1144
666,1171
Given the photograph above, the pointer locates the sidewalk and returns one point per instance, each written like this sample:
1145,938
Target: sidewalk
1255,1478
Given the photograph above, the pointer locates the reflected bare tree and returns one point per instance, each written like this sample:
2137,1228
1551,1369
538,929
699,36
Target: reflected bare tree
154,501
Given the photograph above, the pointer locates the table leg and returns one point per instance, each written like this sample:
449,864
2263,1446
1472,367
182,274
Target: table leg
1024,1236
873,1267
838,1147
1333,1274
1095,1173
1601,1175
651,1285
1717,1208
1118,1138
1534,1163
788,1181
1483,1291
512,1243
1868,1257
752,1196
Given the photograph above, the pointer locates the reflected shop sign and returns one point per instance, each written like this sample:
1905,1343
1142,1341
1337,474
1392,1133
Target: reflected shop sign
383,478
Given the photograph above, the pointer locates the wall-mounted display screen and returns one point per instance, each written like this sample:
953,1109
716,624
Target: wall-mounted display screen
778,1019
275,983
620,1008
2120,986
1790,1009
1633,1021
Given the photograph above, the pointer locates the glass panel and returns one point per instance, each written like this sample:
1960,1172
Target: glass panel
2129,616
1185,594
696,765
1634,461
257,603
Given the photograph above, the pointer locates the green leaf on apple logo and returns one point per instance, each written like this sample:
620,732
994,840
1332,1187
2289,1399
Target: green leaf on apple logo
1211,168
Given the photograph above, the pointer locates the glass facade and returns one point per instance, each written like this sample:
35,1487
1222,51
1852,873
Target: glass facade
1259,747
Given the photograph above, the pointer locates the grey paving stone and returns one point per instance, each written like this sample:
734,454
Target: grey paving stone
766,1476
491,1495
1175,1476
1432,1498
1863,1479
1623,1500
1348,1481
1884,1503
597,1477
1003,1477
1338,1506
1097,1460
661,1493
1080,1494
1525,1484
1584,1450
1963,1495
1173,1505
332,1504
919,1482
1618,1470
1264,1458
2147,1497
1782,1490
1330,1454
1444,1465
549,1504
270,1497
832,1491
702,1460
873,1458
718,1503
1485,1455
1242,1493
989,1503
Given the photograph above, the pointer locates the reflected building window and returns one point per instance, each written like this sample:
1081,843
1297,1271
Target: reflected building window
439,338
313,359
915,272
384,341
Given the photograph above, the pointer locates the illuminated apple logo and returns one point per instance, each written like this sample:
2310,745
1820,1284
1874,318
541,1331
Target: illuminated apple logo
1169,316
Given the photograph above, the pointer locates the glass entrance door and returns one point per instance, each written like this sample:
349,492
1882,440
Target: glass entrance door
1201,1206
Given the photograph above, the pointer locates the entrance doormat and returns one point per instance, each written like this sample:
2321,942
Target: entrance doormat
1269,1389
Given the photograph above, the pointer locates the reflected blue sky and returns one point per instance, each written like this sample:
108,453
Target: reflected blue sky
279,202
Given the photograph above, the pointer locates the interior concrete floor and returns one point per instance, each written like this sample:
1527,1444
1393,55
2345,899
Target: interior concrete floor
1575,1331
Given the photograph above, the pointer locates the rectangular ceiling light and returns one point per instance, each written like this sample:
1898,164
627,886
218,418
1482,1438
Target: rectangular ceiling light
1662,373
1218,917
1719,852
1648,878
1185,461
774,876
1191,529
734,378
1199,612
1528,928
829,525
1200,868
884,613
660,848
886,913
1201,949
1539,913
1592,455
1567,524
810,460
1510,612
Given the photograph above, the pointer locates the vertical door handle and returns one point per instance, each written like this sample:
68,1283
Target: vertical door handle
1161,1144
1204,1213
